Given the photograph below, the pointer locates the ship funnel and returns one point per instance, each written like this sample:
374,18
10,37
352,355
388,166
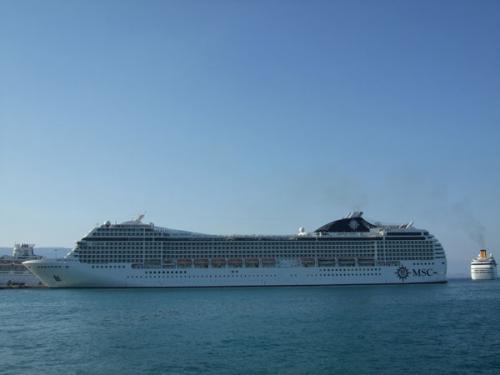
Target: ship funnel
483,253
354,214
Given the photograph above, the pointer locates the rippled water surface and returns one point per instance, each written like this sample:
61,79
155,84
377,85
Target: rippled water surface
449,328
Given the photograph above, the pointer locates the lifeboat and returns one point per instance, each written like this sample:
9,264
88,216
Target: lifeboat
324,262
184,262
366,262
347,262
268,262
307,261
201,262
251,262
168,263
218,262
235,262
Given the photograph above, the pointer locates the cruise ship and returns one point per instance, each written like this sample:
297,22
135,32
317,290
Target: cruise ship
12,270
483,267
344,252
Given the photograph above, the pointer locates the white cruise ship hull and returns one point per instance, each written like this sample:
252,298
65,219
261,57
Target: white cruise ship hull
67,273
348,251
22,278
483,272
13,273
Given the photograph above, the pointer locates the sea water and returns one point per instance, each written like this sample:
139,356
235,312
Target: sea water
451,328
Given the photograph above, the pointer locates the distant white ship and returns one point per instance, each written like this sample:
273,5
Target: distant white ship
346,251
13,272
483,267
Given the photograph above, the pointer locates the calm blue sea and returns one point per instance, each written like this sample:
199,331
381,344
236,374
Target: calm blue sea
451,328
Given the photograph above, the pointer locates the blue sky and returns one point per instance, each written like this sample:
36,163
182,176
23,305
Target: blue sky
250,116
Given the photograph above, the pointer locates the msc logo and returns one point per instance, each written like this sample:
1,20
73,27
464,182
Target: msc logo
424,272
403,273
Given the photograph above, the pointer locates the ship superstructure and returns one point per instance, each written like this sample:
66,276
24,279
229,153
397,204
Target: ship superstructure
483,267
12,270
346,251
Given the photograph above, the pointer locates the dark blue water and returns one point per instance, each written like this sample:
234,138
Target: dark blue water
451,328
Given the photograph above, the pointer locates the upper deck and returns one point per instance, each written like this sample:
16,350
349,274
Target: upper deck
353,226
